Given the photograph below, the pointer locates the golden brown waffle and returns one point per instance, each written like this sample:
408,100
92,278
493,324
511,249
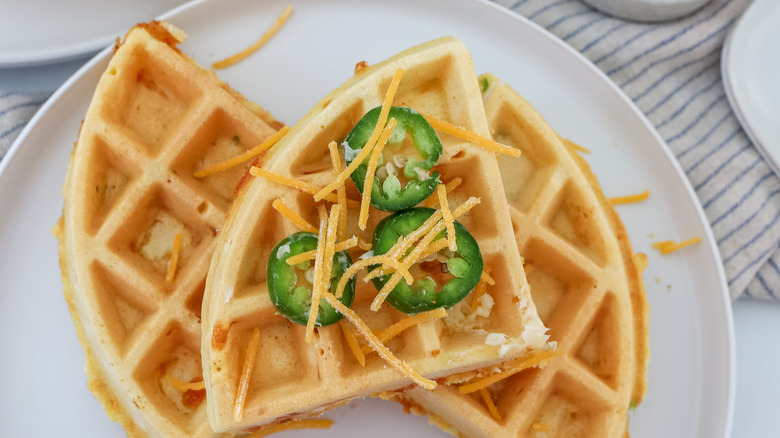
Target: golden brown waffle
155,118
586,282
293,379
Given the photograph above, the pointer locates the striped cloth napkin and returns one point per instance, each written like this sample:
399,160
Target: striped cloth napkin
16,109
672,72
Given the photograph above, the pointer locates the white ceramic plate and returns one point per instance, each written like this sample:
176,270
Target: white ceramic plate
751,69
39,31
691,375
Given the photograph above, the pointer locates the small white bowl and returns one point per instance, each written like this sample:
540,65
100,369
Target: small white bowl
647,10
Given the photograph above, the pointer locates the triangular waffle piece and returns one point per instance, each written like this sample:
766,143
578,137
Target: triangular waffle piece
155,119
586,282
293,379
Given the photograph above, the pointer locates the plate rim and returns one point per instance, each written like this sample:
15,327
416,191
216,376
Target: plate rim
102,56
737,103
50,55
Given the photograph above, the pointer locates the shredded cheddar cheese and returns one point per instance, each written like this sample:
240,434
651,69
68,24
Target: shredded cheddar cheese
400,248
365,246
453,184
471,137
572,145
323,262
489,404
292,425
410,260
257,44
419,249
364,263
480,289
450,185
668,246
295,184
408,322
516,367
309,255
368,183
435,247
630,198
380,348
465,207
369,146
488,279
341,191
540,427
287,212
184,387
640,259
246,373
174,261
246,156
353,343
449,222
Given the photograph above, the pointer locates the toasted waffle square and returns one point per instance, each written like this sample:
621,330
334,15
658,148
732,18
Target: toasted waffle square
586,282
155,118
293,379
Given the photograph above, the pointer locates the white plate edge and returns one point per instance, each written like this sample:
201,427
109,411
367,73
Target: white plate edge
727,74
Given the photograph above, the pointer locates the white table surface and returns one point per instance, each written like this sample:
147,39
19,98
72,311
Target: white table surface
757,324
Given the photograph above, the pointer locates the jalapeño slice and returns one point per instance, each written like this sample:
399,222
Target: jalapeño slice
290,287
403,178
439,282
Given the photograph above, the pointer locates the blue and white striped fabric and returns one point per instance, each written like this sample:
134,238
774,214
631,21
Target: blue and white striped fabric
16,109
672,72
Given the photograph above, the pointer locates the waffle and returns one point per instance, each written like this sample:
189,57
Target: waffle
294,379
155,118
586,282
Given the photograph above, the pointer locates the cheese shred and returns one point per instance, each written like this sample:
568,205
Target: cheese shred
379,347
515,367
287,212
487,278
341,191
435,247
184,387
489,404
368,147
292,425
451,185
246,156
309,255
408,322
296,184
257,44
174,261
480,289
434,226
323,262
574,146
246,374
630,198
668,246
368,183
471,137
449,222
418,250
353,343
540,427
356,267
